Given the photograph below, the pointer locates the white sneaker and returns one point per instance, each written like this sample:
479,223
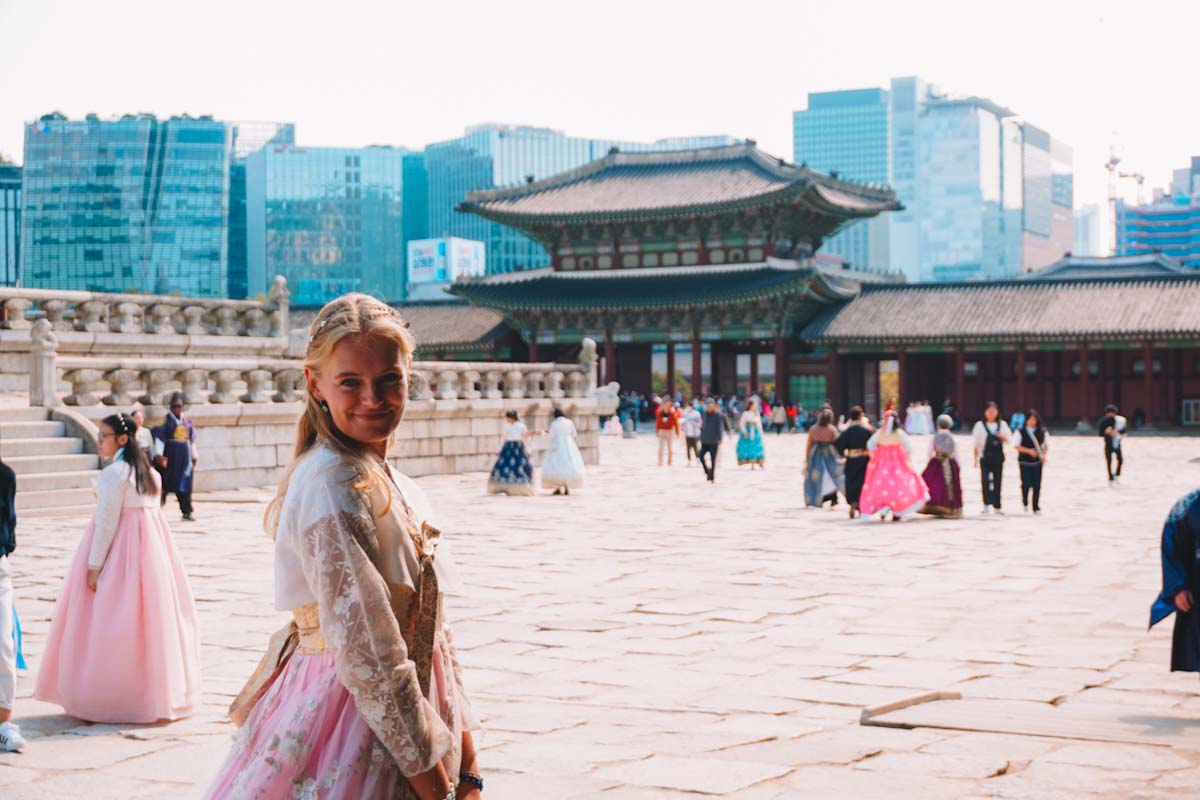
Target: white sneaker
1037,513
985,510
1117,480
999,513
11,739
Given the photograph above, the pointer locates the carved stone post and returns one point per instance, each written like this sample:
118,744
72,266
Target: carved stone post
514,384
418,385
89,316
554,384
121,383
491,385
533,384
56,312
226,320
258,386
14,314
466,385
157,383
123,318
224,379
84,385
576,384
278,304
194,382
447,385
159,318
193,317
287,385
255,323
43,365
587,362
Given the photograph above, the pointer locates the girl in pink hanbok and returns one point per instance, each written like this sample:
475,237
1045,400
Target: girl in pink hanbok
891,485
122,644
368,701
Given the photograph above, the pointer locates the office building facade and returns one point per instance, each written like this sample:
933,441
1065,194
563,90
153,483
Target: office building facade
1170,225
495,156
331,220
248,138
132,204
985,194
10,224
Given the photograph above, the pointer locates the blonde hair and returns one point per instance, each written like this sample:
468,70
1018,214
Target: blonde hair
352,314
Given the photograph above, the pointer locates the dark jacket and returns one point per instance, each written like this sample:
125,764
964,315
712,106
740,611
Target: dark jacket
1180,562
714,427
8,510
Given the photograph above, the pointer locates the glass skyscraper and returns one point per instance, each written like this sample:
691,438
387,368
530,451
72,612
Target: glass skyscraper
491,156
1170,225
331,220
10,224
134,204
248,138
985,195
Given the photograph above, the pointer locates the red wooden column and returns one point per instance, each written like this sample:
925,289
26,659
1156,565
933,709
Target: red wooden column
902,362
960,378
781,370
1148,377
1021,378
1085,400
670,369
697,378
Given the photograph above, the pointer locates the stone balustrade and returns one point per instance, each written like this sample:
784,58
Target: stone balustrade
96,312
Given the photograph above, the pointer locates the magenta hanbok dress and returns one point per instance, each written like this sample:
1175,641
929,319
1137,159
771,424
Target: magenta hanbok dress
891,484
127,652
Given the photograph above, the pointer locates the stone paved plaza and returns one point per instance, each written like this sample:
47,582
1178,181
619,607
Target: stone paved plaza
656,637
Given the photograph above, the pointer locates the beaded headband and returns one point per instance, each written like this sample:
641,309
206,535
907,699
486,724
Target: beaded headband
390,312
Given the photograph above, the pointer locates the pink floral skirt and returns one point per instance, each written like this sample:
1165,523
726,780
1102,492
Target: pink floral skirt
305,738
126,652
891,483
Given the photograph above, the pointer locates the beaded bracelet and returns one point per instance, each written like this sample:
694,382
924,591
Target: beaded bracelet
471,778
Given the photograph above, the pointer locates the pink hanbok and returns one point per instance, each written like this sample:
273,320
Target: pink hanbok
347,718
891,484
126,652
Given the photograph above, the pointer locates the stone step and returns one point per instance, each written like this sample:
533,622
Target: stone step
51,463
48,446
56,498
45,481
23,414
30,430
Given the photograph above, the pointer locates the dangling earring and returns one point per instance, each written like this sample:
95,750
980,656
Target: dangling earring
325,406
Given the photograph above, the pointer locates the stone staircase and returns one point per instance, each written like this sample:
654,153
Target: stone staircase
54,473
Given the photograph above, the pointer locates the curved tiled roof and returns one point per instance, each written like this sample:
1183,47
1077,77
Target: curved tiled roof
1148,265
665,183
662,287
1158,308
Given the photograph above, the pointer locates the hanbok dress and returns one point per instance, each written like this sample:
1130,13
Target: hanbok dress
891,483
177,441
1181,572
750,443
347,717
942,477
613,426
513,472
824,475
563,465
127,652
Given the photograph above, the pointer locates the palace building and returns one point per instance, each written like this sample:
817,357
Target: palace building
716,251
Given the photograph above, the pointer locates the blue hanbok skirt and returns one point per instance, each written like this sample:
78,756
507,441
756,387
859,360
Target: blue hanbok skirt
750,448
513,473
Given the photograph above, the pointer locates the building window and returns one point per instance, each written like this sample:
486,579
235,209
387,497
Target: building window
716,256
736,256
568,262
1139,366
690,258
1031,369
603,262
629,260
755,254
585,262
670,259
650,260
970,369
1093,367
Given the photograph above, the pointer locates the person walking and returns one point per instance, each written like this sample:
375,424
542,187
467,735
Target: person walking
712,433
750,444
562,469
11,739
122,646
892,486
823,477
691,423
666,428
851,445
512,473
175,455
942,474
1180,553
1032,444
779,417
990,435
370,703
1112,428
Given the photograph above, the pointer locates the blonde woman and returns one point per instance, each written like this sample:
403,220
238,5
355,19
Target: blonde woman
363,708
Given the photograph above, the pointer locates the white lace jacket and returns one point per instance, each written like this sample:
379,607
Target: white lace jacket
319,557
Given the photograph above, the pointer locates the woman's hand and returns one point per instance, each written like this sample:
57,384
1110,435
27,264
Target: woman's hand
1183,601
93,577
431,784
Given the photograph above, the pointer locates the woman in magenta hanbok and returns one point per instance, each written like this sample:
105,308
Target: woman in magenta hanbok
942,474
892,485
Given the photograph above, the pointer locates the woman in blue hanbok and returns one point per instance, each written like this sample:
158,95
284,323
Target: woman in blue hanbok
750,444
1181,583
513,473
823,476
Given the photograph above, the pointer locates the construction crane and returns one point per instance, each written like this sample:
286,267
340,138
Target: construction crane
1114,177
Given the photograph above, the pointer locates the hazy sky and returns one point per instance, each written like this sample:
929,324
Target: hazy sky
354,73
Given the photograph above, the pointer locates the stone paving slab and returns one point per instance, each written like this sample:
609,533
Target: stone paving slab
652,636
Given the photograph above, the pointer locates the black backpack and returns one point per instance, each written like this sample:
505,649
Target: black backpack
993,449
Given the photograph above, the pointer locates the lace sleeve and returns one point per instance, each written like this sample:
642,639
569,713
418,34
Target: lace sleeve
110,491
364,637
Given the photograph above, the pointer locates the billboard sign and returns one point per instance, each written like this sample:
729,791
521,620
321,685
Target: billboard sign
445,260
